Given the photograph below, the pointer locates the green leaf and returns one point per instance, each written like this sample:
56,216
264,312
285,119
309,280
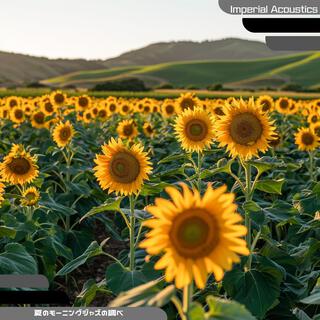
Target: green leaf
265,163
120,279
300,314
93,250
16,260
173,157
149,189
7,232
196,312
109,205
89,292
257,290
312,299
270,186
150,294
223,165
220,309
310,204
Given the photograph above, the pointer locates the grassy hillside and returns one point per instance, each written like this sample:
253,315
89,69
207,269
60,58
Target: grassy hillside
266,72
17,69
226,49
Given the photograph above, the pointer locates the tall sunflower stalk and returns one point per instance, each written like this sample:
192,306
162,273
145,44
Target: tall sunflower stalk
122,169
307,140
245,130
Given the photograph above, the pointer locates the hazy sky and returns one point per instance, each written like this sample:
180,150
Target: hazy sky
105,28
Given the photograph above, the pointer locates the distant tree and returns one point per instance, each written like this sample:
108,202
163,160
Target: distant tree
131,84
192,87
215,87
292,87
36,85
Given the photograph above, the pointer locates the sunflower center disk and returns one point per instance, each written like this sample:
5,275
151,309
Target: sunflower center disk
307,139
194,233
65,133
13,103
30,196
128,130
102,113
83,102
187,103
49,107
18,114
314,119
245,129
219,111
196,130
20,166
59,98
39,118
124,168
284,104
169,109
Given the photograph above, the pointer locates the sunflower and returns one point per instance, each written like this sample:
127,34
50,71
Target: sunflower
306,139
122,169
316,128
194,129
187,101
17,114
276,141
168,108
102,114
266,103
313,117
148,129
127,129
125,108
284,105
30,197
62,134
4,113
217,109
28,109
38,120
48,107
58,98
83,103
87,116
198,236
245,129
112,107
12,102
19,167
94,111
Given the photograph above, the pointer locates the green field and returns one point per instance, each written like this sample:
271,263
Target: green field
271,72
163,94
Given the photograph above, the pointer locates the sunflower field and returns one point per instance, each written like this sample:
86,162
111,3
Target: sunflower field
208,209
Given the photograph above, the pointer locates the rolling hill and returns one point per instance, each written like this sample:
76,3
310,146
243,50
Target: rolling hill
274,72
19,69
225,49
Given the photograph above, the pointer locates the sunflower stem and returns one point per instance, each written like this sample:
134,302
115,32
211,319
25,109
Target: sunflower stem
311,166
187,300
199,171
248,197
132,230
